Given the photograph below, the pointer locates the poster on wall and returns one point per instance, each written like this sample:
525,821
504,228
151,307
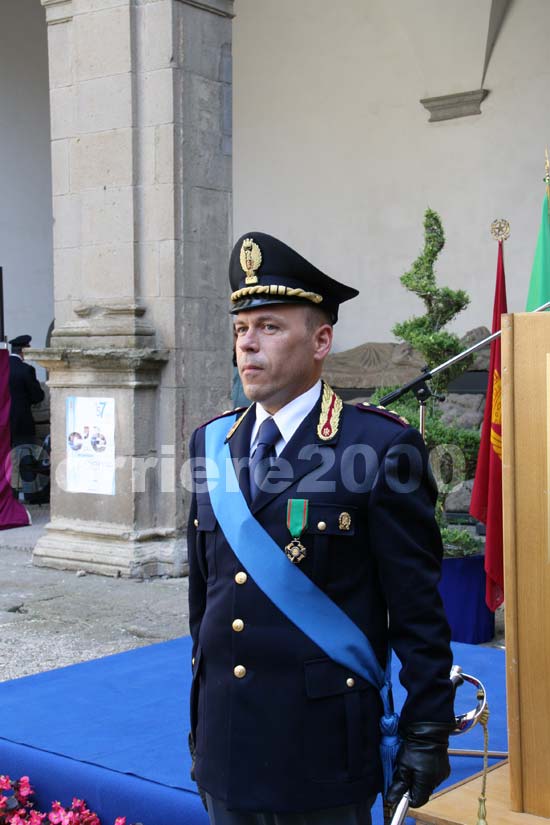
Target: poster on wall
90,445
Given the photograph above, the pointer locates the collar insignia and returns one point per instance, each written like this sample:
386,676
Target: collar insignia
238,422
331,410
251,259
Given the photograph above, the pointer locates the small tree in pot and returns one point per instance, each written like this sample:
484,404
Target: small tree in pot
463,581
455,448
426,333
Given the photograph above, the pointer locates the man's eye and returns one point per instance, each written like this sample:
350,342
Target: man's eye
270,327
240,330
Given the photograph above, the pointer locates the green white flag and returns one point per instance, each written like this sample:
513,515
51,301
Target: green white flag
539,287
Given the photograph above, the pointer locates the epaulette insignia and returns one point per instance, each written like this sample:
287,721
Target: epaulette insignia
239,421
366,406
223,415
331,410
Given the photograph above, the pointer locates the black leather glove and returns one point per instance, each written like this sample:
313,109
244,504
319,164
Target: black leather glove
191,743
422,763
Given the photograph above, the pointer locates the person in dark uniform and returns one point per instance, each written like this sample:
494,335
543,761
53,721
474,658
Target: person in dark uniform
315,529
25,390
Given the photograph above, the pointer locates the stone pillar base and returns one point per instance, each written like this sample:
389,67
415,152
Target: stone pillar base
110,550
138,531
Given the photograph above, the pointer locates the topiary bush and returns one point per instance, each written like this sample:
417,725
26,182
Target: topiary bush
425,333
453,450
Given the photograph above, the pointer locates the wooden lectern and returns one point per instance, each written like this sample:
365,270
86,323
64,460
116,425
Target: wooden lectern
518,791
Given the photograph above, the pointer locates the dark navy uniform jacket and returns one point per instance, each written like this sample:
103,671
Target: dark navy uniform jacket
25,390
277,725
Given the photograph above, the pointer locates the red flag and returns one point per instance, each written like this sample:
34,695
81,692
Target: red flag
486,504
12,513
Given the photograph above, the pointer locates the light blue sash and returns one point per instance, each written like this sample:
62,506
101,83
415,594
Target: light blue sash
301,601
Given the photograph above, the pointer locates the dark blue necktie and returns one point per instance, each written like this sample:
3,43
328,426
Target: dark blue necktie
264,456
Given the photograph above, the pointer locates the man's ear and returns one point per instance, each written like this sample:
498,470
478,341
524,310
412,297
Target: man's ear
322,342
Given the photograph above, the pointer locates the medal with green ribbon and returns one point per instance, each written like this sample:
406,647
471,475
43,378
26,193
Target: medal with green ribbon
296,521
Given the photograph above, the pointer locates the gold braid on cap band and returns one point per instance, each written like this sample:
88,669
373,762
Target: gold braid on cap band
276,289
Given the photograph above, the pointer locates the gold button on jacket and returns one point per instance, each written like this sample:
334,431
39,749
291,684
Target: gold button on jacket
239,671
238,625
241,577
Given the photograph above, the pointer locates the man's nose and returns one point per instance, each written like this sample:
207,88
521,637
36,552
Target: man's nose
248,341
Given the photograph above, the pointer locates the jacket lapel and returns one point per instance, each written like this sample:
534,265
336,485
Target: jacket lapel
239,446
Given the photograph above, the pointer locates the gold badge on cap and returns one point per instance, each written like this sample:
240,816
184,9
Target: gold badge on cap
251,259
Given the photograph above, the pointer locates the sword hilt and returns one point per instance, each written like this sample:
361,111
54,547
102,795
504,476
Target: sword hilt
463,723
400,813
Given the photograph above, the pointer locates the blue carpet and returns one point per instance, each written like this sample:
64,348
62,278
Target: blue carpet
114,731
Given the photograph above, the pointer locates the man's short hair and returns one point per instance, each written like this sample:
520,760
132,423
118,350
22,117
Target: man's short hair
316,317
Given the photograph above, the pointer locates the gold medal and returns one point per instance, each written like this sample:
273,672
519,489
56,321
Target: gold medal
296,521
295,551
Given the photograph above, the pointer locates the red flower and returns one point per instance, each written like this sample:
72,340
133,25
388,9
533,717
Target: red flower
23,789
24,814
57,814
15,818
90,819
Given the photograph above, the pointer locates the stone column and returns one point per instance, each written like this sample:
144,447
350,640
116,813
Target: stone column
140,94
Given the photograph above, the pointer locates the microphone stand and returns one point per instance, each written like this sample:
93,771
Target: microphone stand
418,385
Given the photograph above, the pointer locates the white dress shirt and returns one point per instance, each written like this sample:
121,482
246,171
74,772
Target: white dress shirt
287,419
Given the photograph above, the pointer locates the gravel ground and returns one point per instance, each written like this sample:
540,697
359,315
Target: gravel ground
52,618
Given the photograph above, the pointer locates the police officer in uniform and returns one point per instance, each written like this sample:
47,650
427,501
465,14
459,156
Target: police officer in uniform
25,390
333,498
